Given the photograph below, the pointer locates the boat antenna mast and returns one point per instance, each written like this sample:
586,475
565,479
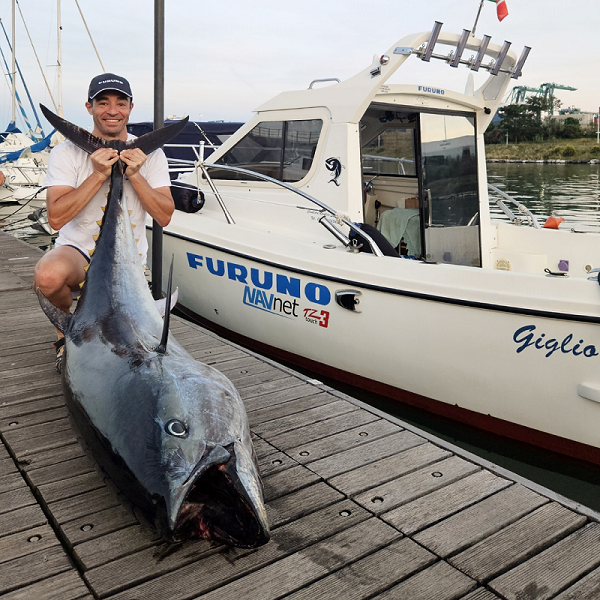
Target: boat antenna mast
477,17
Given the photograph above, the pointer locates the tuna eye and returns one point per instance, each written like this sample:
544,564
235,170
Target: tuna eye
176,428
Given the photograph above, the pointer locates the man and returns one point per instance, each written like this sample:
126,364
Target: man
77,188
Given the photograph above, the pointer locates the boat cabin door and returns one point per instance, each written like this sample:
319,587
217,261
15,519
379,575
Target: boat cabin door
448,189
420,182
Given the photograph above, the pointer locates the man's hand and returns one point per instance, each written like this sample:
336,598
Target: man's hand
103,159
134,158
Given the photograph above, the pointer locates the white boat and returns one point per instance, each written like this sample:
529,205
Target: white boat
492,323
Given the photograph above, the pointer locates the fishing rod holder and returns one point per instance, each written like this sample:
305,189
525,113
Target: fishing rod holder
454,58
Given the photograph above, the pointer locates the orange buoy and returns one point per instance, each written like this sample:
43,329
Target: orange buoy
552,223
2,178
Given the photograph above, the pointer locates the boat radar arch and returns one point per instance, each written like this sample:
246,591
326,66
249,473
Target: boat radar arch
362,87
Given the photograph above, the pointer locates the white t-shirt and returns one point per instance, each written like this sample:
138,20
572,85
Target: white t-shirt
70,165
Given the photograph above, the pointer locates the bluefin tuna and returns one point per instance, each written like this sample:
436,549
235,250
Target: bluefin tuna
171,433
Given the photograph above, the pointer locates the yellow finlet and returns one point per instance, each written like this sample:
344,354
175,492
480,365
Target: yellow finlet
133,225
103,208
81,284
99,222
90,252
86,267
130,212
95,237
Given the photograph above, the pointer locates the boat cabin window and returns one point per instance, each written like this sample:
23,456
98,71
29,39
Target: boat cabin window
282,150
420,189
388,145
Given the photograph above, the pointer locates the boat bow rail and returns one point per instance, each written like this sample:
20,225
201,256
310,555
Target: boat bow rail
328,225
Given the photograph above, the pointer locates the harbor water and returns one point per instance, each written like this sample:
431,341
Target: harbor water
571,191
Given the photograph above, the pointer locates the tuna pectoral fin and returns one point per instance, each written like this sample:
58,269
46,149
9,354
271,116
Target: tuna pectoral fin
57,317
162,303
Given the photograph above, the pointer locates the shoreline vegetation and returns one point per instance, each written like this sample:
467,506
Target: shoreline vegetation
580,150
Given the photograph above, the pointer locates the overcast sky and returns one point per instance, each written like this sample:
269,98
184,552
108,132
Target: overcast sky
223,59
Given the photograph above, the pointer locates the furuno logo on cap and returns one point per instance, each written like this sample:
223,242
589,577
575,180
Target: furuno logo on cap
109,81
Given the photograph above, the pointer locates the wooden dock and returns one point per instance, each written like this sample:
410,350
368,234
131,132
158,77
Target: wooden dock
360,504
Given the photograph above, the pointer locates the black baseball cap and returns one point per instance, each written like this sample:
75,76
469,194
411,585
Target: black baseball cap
109,81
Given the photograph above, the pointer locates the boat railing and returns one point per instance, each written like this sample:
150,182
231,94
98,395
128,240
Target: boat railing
513,218
339,218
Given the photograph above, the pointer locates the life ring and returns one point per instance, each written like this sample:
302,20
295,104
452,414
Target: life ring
2,178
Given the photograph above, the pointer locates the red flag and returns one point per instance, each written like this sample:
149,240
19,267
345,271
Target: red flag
501,9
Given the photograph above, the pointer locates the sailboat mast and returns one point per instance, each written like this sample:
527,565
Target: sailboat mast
14,70
59,60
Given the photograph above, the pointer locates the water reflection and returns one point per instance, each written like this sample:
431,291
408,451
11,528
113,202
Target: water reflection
571,191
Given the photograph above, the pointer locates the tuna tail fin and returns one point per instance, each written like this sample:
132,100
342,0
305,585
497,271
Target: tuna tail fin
162,347
147,143
58,318
80,137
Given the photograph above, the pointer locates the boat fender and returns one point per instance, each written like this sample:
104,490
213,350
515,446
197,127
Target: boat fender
552,223
187,197
376,236
2,178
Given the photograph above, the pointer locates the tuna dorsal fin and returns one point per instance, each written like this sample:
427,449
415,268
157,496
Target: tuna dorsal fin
58,318
162,347
147,143
161,304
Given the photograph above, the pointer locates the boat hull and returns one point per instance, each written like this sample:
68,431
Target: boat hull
509,370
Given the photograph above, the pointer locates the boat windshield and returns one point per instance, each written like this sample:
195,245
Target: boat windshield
283,150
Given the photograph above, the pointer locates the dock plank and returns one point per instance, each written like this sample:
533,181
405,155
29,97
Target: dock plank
440,581
431,508
553,570
322,429
28,569
370,575
387,469
587,588
517,542
389,495
472,524
366,454
338,442
314,562
64,586
157,581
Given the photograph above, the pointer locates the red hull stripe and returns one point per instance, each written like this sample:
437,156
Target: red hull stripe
488,423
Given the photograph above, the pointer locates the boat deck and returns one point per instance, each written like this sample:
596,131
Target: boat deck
360,504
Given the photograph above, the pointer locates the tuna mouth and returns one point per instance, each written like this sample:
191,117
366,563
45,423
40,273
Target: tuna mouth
218,507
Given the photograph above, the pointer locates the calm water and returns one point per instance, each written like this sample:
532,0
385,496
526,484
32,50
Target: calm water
569,191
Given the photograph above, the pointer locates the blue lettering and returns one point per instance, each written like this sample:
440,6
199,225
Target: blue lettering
575,348
524,336
551,345
565,342
237,272
289,286
194,260
220,270
249,295
526,339
267,284
317,293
